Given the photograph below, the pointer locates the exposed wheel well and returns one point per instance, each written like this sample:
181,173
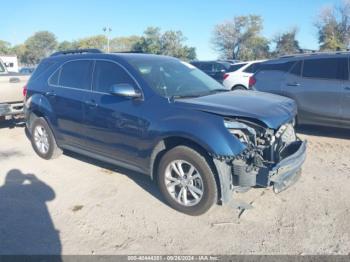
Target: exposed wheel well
238,87
171,142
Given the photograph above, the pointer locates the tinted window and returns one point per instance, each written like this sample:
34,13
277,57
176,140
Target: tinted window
284,67
296,70
234,68
54,78
107,74
76,74
326,68
252,68
206,66
42,67
2,69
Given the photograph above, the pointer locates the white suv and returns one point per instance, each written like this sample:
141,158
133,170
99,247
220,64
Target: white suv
241,74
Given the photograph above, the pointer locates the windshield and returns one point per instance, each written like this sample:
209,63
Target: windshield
172,78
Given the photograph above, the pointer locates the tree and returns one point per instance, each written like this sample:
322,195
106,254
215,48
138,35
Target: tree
169,43
286,43
65,45
5,47
235,39
98,41
333,25
19,51
122,44
38,46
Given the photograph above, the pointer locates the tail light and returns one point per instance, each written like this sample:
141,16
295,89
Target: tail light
226,76
252,81
25,89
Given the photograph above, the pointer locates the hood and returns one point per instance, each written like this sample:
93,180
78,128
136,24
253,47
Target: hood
272,110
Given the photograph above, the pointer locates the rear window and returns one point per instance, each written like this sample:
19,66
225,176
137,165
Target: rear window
326,68
42,68
234,68
76,74
252,68
296,69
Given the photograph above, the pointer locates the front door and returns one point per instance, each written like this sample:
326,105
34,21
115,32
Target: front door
114,123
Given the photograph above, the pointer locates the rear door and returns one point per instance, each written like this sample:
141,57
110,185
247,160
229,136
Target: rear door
318,93
69,89
345,105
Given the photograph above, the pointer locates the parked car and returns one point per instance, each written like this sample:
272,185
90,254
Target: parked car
318,82
11,92
26,70
165,118
239,75
215,69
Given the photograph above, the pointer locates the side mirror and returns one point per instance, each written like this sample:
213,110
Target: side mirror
125,90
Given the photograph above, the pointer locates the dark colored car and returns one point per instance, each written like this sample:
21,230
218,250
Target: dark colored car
215,69
318,82
164,118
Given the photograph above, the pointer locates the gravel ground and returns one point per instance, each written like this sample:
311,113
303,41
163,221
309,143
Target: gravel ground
75,205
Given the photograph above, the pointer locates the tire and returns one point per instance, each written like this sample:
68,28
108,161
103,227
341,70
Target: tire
46,137
202,179
235,88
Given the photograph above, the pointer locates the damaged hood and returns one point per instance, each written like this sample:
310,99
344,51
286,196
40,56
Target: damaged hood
272,110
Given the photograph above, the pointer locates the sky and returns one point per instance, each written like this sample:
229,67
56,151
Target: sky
74,19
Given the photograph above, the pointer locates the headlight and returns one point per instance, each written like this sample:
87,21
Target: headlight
286,133
242,131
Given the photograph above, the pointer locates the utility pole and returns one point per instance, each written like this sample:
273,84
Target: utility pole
107,30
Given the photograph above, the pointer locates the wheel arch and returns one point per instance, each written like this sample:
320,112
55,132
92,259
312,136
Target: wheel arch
167,143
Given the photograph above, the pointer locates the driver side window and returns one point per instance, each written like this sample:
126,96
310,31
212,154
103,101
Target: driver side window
107,74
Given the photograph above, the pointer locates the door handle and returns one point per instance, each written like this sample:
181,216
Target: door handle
50,93
293,84
347,88
91,103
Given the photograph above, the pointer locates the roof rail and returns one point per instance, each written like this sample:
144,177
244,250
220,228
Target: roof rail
77,51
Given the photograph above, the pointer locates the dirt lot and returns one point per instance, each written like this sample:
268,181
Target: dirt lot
74,205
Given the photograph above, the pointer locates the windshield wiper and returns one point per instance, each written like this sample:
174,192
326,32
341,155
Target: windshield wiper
184,96
218,90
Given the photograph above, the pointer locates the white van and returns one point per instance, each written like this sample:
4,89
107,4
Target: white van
11,63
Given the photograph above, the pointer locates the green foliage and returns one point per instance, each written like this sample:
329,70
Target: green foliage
169,43
286,43
38,46
98,41
5,47
333,25
240,38
122,44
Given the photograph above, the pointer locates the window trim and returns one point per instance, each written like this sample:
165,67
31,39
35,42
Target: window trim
118,64
325,79
92,76
59,75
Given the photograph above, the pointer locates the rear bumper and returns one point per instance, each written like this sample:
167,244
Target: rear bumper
11,109
288,170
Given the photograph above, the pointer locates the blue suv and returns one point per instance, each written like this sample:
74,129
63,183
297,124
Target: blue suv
163,117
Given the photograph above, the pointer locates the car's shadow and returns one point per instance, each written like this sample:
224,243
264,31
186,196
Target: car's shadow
142,180
12,123
323,131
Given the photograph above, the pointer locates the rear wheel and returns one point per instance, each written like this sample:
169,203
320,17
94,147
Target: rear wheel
43,140
186,181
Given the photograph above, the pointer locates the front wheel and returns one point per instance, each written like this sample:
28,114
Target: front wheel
186,181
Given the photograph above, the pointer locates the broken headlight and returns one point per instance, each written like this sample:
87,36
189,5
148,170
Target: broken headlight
243,132
286,133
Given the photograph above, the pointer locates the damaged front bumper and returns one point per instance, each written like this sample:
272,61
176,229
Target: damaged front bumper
237,176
